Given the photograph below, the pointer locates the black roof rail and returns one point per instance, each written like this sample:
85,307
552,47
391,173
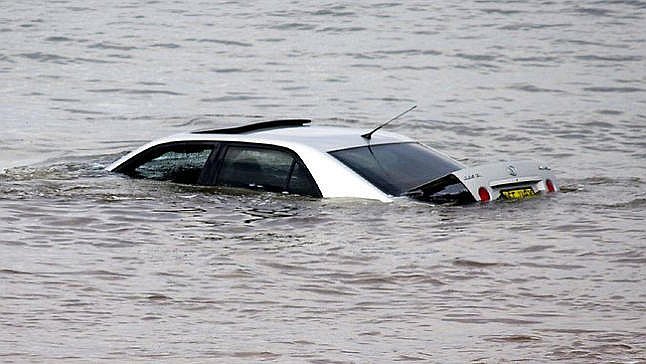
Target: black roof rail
257,126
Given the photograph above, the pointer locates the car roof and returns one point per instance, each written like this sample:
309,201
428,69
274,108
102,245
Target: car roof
297,131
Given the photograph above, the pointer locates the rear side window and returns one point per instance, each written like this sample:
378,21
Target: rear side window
179,163
265,169
301,183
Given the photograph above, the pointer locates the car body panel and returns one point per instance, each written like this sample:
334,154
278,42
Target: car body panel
334,179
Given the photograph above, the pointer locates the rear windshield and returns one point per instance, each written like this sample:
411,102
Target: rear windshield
396,168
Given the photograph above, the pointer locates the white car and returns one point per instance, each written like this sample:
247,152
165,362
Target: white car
294,157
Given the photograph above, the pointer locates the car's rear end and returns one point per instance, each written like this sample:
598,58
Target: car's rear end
508,180
514,180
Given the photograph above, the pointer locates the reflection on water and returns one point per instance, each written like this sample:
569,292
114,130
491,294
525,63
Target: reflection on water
96,266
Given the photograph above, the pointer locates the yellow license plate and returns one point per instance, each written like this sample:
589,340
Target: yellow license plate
518,194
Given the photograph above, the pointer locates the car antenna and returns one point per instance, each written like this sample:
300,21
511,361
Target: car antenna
369,134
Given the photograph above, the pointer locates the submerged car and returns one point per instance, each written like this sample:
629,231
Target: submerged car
295,157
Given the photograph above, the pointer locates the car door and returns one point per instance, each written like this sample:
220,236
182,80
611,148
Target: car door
266,168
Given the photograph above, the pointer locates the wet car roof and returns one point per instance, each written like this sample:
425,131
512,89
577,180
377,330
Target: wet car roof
328,138
322,138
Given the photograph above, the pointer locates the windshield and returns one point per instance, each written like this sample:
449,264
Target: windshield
396,168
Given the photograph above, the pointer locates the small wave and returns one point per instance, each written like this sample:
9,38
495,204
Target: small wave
147,83
58,39
223,42
257,355
477,57
294,26
598,124
396,279
597,181
91,60
413,68
272,40
594,11
327,291
387,5
553,266
339,79
512,338
79,8
507,321
85,112
152,92
5,58
639,261
536,248
609,112
98,273
158,297
233,98
71,168
601,348
55,58
501,11
165,45
532,88
364,65
256,214
227,70
423,357
113,46
533,26
363,56
390,99
45,57
631,205
56,99
535,59
587,43
477,264
614,89
341,29
135,91
11,271
334,12
593,57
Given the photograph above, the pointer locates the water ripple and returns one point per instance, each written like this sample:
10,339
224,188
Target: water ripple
99,267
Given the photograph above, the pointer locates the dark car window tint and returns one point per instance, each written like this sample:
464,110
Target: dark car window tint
256,168
181,164
265,169
301,183
396,168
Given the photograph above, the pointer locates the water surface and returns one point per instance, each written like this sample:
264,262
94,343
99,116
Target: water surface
102,268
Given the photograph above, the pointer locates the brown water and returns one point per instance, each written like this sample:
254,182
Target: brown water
97,267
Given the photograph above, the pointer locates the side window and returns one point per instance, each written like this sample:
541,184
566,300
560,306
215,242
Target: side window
265,169
301,183
180,163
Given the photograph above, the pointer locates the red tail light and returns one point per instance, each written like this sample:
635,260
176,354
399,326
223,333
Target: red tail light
484,194
550,185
